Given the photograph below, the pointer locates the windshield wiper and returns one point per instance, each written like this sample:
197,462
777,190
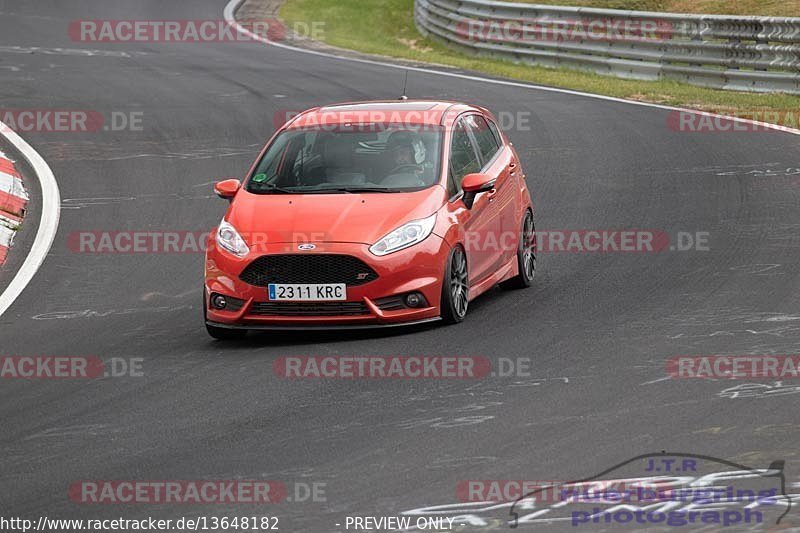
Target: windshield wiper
357,189
274,189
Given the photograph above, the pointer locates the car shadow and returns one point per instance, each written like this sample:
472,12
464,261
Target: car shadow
283,338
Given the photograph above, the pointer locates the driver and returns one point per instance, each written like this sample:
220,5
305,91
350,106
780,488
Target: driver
406,153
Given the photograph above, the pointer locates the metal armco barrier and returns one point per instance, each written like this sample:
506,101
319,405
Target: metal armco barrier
760,54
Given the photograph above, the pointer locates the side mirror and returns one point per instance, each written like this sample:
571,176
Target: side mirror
227,189
473,184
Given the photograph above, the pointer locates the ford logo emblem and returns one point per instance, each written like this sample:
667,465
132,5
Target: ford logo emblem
306,246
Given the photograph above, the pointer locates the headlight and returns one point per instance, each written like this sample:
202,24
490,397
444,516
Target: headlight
406,235
229,238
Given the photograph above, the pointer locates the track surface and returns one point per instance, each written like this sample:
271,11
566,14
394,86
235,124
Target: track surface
208,410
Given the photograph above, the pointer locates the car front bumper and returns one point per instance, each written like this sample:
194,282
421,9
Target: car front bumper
419,268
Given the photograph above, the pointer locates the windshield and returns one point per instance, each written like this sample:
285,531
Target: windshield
387,158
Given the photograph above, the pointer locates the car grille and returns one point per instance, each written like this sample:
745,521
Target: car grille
391,303
308,268
309,308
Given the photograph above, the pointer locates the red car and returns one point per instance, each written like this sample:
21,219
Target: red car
370,214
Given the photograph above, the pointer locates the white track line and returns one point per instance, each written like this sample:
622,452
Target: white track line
233,5
48,225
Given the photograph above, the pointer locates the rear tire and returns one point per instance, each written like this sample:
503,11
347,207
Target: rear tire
222,334
526,256
455,287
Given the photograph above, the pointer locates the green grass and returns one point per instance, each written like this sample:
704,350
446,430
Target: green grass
386,27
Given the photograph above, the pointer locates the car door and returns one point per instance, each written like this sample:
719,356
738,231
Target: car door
496,162
481,225
515,181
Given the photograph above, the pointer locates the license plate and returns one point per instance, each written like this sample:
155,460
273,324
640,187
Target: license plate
307,292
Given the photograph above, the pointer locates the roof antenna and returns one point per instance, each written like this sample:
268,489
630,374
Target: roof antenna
405,84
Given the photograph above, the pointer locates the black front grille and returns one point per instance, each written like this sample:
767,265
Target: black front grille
308,268
309,308
391,303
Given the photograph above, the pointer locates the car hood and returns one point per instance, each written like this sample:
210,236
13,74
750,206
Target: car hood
354,218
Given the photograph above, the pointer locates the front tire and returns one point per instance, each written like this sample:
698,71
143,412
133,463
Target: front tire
526,256
455,287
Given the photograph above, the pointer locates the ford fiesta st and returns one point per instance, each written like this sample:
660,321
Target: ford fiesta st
370,214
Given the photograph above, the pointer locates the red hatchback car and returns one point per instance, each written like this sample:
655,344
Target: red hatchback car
370,214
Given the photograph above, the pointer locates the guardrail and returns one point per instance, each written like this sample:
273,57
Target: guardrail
760,54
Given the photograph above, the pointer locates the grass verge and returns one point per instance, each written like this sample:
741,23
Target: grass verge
386,27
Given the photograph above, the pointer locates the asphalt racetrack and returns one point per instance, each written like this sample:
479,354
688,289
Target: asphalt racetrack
597,328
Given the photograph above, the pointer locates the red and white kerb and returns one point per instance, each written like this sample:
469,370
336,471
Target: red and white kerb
13,200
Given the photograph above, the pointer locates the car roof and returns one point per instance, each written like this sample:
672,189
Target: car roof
416,112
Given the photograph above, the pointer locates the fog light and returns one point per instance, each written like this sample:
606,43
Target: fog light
414,299
218,302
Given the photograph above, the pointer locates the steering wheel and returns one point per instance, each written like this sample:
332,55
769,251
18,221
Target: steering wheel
408,167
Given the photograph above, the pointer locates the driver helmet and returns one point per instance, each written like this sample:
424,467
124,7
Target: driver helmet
406,148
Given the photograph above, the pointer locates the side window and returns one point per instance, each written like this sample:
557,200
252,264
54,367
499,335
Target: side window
487,142
463,159
453,187
496,131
